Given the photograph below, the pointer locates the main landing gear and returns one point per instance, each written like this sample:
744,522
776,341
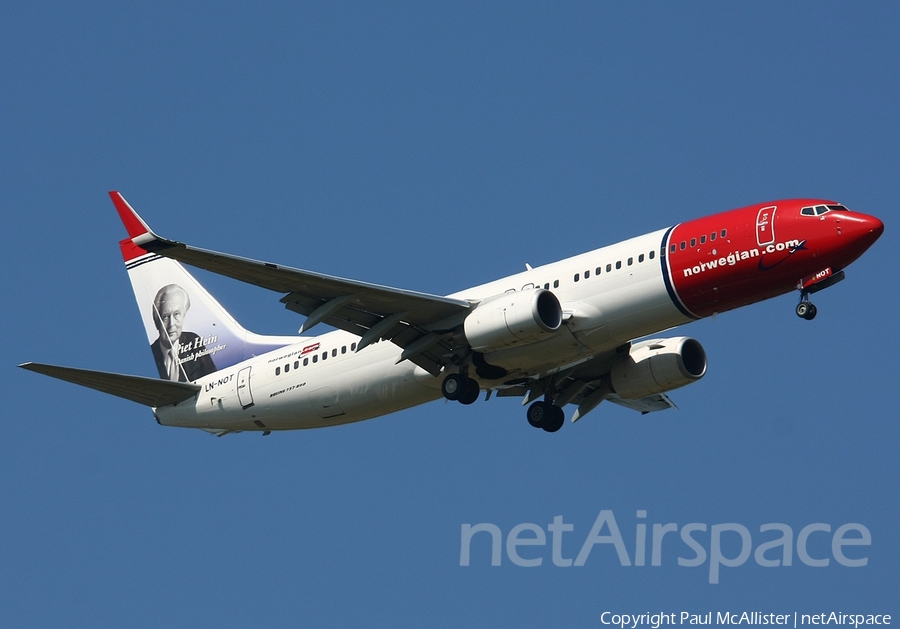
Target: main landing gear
460,388
547,415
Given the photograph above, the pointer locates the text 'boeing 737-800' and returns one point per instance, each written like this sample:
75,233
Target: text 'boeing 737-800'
559,334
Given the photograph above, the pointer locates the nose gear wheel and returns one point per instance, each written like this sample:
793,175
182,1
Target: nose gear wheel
806,310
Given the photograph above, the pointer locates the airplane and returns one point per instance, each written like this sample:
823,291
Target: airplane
564,333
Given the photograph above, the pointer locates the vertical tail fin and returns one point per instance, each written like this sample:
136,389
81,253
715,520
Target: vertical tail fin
190,334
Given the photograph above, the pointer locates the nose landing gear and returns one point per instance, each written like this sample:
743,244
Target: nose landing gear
813,284
806,309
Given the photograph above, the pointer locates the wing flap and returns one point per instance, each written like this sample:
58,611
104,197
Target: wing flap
146,391
644,405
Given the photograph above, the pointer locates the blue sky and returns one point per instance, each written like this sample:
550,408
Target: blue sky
432,148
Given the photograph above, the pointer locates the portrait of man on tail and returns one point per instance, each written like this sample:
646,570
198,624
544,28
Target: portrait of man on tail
180,356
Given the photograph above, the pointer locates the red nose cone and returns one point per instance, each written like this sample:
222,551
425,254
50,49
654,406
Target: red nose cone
876,227
862,229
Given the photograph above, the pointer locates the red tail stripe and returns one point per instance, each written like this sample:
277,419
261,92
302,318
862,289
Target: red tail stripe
130,251
130,219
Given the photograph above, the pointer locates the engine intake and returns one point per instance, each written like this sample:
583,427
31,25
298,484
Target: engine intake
658,366
513,319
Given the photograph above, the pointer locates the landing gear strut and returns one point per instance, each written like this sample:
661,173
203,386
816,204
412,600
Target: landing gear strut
460,388
806,309
813,284
547,415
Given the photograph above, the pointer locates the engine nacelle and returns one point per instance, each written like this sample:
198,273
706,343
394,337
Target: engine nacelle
657,366
513,319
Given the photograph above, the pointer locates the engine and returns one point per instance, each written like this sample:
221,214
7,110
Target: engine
513,319
657,366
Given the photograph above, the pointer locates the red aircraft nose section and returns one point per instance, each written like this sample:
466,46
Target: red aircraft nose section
871,227
858,231
736,258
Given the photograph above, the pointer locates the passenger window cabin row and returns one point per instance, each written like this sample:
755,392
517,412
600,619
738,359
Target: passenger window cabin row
609,267
286,367
683,245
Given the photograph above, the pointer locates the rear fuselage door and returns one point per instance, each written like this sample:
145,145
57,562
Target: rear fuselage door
245,396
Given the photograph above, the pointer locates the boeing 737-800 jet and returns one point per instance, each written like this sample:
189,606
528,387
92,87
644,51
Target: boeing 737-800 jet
554,335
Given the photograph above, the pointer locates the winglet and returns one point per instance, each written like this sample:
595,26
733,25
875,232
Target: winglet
139,232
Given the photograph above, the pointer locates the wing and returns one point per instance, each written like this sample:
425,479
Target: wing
417,322
146,391
586,385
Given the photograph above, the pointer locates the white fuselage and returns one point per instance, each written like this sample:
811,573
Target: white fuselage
287,389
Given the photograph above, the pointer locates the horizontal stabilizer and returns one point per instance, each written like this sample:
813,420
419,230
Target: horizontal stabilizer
147,391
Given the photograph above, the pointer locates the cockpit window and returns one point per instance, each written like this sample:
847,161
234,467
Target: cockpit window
838,208
820,209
